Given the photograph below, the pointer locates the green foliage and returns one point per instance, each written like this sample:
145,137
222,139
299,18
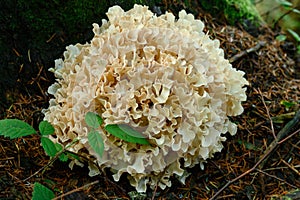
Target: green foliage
122,131
49,146
289,6
93,120
281,38
296,38
126,133
295,35
287,104
63,156
41,192
14,128
96,142
283,118
233,10
46,128
285,3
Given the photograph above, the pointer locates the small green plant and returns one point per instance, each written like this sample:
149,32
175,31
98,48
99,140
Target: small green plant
95,140
14,128
288,104
121,131
296,38
41,192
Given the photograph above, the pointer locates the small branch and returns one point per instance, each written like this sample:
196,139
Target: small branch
51,161
268,113
243,174
88,160
283,133
247,51
292,9
76,190
291,167
272,176
286,129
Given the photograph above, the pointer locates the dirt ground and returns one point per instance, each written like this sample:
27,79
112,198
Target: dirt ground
259,162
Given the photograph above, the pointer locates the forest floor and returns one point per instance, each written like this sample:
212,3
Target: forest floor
261,160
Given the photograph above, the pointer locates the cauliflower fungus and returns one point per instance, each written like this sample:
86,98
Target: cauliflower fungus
163,77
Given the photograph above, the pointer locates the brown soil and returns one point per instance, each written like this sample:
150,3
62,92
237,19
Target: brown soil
274,74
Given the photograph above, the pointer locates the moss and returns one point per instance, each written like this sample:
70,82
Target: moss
235,11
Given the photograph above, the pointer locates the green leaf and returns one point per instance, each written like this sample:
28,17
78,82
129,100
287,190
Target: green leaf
58,147
46,128
63,157
41,192
285,3
74,155
287,104
294,34
14,128
281,38
49,146
93,120
283,117
296,11
126,133
96,142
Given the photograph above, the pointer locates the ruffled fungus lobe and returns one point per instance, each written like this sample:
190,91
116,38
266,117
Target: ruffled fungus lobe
164,77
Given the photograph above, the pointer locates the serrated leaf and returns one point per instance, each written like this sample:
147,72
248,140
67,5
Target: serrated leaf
49,146
93,120
96,142
46,128
126,133
41,192
14,128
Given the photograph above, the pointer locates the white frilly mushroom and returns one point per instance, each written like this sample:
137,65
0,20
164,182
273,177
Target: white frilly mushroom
163,77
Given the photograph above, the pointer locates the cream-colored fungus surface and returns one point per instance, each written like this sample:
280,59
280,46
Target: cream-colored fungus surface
162,76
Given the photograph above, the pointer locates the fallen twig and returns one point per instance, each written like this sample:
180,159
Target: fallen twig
269,116
245,52
283,133
76,190
286,130
291,167
270,175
